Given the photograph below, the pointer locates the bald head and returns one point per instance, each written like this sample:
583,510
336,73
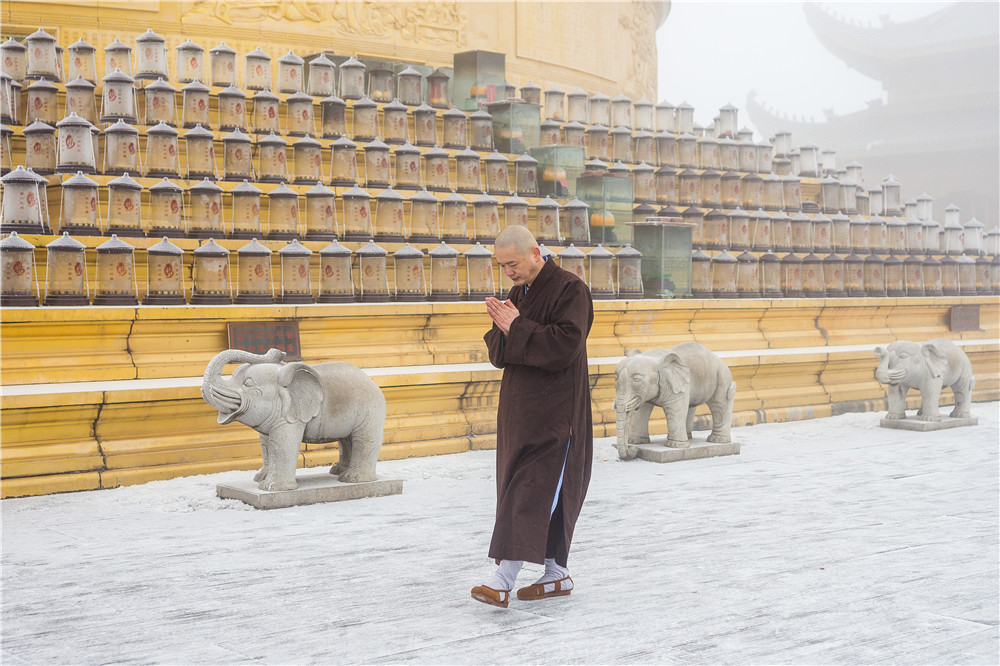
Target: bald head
517,252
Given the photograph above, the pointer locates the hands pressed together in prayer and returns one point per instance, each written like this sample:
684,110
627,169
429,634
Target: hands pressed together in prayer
502,313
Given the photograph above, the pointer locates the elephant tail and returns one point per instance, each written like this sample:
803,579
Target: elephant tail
731,393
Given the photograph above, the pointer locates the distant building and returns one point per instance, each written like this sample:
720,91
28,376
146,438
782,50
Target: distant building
938,130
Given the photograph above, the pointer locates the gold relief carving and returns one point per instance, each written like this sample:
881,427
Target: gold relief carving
248,11
641,25
565,35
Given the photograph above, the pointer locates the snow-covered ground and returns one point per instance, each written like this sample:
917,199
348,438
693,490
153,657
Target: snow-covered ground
824,541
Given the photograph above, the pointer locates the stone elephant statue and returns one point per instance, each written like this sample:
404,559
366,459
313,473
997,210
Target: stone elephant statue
677,380
291,403
927,367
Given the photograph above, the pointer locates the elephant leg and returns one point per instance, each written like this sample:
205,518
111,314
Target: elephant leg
722,416
677,423
690,421
344,456
283,457
366,442
963,398
259,476
639,426
897,402
930,396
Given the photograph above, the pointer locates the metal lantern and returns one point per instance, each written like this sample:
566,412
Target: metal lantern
42,59
42,101
791,276
222,65
18,287
984,281
895,277
830,194
531,93
913,275
190,62
236,155
687,187
687,148
66,272
896,234
747,155
380,83
801,227
772,192
949,276
841,233
78,214
481,130
374,281
211,275
701,275
14,57
9,110
162,152
467,171
782,166
875,276
409,86
966,275
76,146
166,209
629,262
454,128
389,220
438,94
914,236
665,182
407,167
526,175
599,270
770,275
357,214
576,220
253,275
160,106
747,276
344,162
576,105
724,275
299,114
808,157
931,233
792,193
408,270
376,164
364,124
515,211
308,160
425,126
395,126
992,242
295,282
336,284
644,183
597,142
822,234
574,134
496,174
39,148
352,79
199,149
813,277
760,231
485,218
291,71
621,111
621,144
573,260
205,210
739,230
878,235
282,213
151,56
709,230
554,103
953,238
195,105
436,176
729,154
546,228
232,109
124,207
118,98
22,202
257,72
666,148
321,213
322,79
972,232
599,109
711,188
925,206
863,206
121,149
424,224
854,275
118,55
444,273
931,269
115,273
781,232
479,273
891,196
266,112
454,223
834,276
246,211
875,201
666,117
6,157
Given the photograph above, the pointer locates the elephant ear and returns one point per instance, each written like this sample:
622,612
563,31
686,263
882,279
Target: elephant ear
675,374
301,392
934,357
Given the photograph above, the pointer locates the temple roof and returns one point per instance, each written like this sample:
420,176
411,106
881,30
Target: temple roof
955,32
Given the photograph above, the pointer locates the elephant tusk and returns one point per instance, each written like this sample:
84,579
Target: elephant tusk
632,403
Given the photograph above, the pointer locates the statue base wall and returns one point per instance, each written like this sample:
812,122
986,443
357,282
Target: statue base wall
659,453
915,424
313,489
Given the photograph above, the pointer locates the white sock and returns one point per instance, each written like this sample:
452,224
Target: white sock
505,575
553,572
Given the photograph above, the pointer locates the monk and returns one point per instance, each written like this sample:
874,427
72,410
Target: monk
544,426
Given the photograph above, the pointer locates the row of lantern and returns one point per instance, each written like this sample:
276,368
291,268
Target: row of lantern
199,212
836,276
758,230
67,283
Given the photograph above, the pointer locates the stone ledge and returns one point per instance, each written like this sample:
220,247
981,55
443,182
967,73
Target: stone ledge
916,425
659,453
313,489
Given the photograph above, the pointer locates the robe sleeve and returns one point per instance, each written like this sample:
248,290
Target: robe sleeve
494,346
554,346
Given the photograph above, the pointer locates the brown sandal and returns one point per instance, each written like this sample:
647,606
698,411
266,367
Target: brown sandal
557,588
488,595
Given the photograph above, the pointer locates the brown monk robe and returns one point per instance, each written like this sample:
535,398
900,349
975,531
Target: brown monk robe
544,407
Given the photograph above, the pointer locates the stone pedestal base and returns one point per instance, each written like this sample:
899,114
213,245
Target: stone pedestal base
313,489
659,453
914,423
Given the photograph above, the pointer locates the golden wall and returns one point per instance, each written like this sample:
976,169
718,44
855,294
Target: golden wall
604,47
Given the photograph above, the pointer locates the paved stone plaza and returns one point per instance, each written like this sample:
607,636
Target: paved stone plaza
823,541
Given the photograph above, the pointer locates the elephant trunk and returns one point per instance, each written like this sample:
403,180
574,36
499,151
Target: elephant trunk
623,430
229,400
